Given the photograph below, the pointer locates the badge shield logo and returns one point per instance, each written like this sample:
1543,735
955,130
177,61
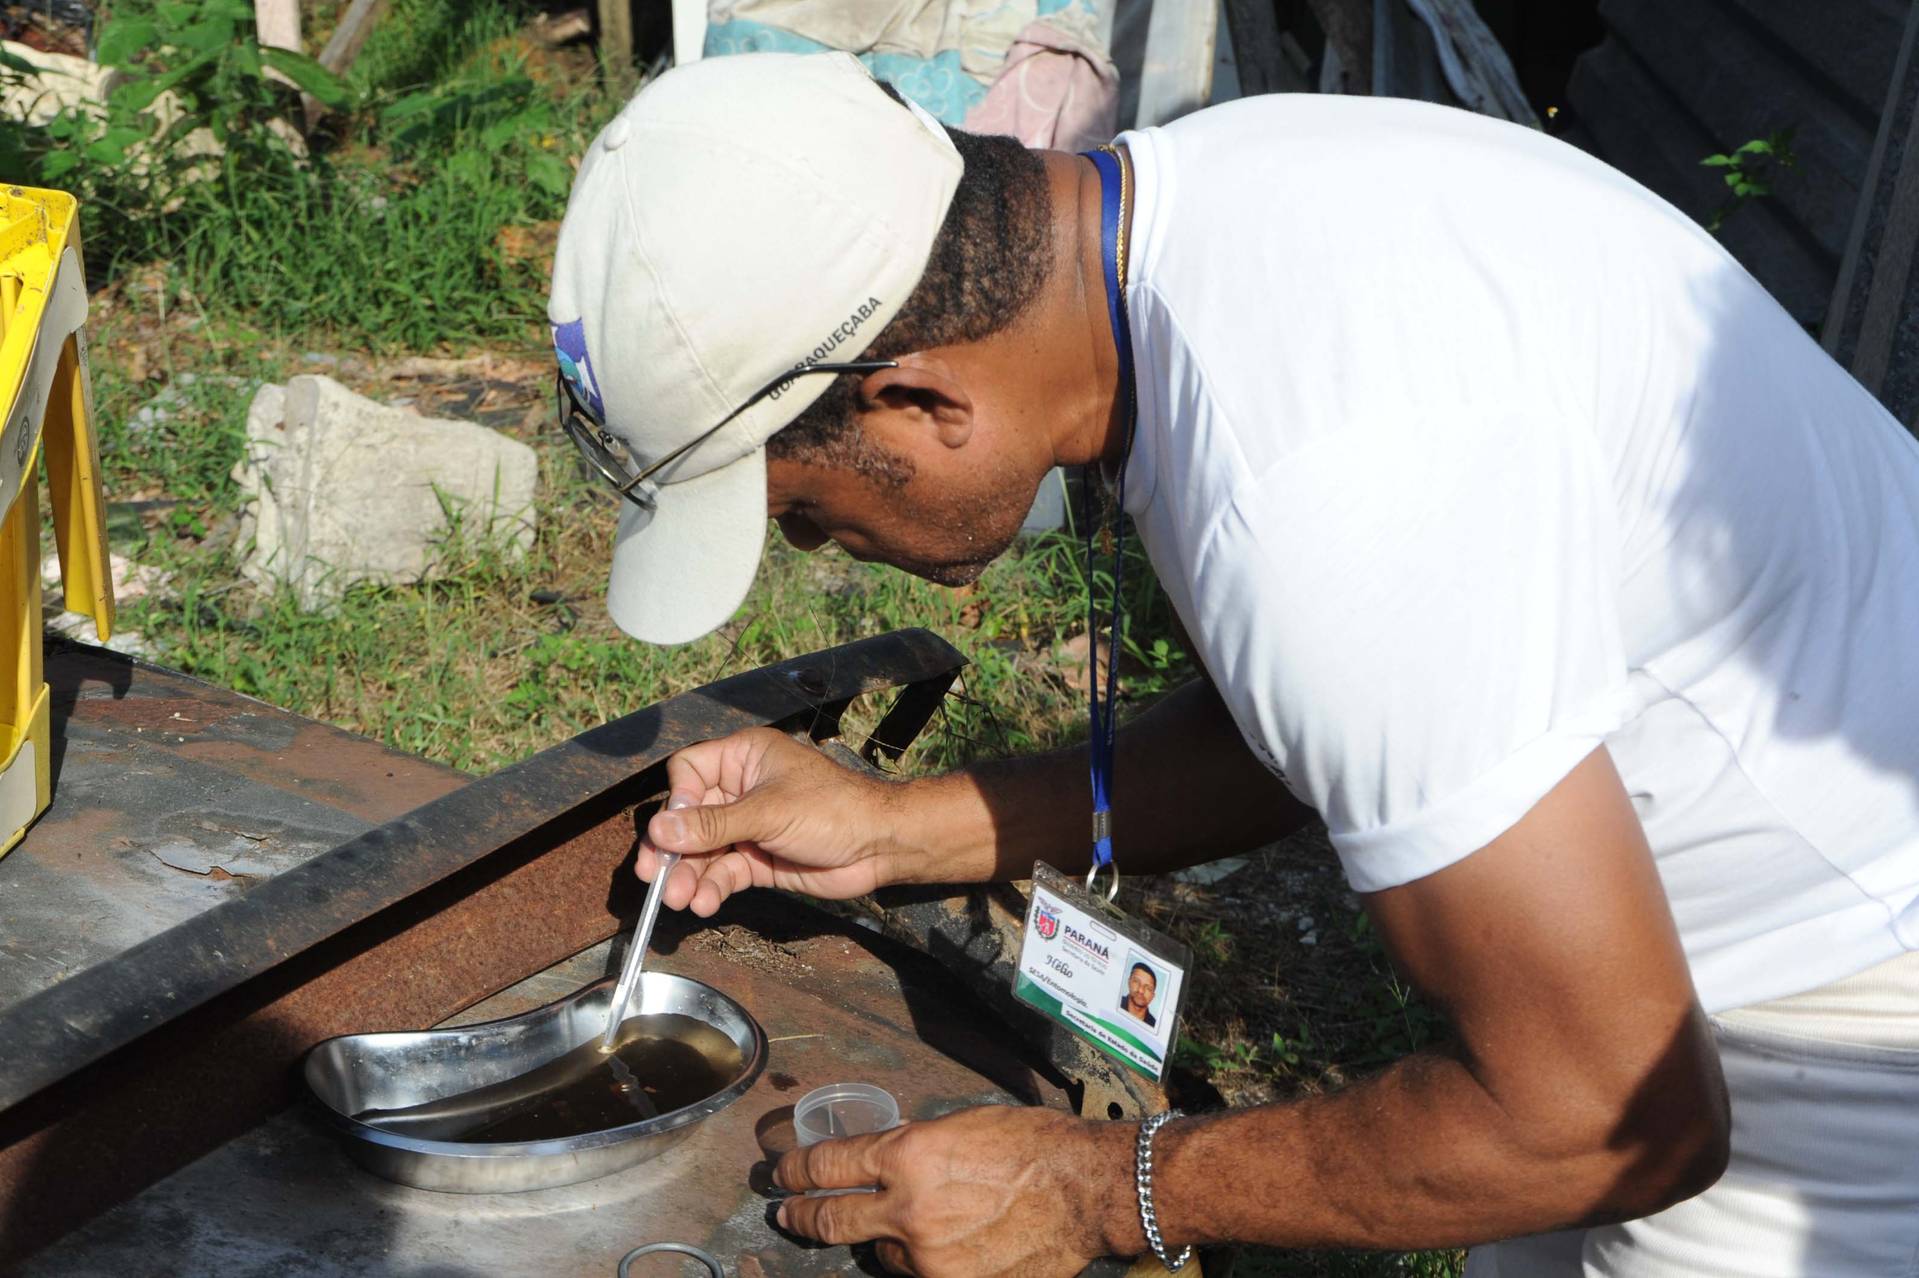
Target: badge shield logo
576,365
1046,922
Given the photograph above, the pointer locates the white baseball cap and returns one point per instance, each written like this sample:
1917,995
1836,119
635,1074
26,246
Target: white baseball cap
742,217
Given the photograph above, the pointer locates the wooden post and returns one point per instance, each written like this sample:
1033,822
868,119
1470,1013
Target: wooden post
1176,75
1348,25
1258,52
1872,325
342,47
616,42
355,25
1442,51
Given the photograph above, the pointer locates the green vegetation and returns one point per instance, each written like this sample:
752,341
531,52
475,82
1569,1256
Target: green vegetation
389,228
414,221
1362,1264
1751,170
500,656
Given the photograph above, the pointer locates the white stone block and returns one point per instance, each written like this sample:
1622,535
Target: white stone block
344,490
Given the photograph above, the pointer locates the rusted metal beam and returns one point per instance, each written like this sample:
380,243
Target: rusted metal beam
134,1066
103,1008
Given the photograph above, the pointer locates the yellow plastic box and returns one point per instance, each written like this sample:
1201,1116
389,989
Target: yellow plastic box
49,403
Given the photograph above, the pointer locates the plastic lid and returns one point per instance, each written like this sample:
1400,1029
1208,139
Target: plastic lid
843,1109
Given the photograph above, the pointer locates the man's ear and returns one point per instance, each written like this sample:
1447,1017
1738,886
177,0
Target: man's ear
923,387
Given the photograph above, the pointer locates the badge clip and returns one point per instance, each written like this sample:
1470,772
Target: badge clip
1102,833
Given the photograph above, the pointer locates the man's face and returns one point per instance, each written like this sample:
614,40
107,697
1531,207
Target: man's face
1139,990
958,483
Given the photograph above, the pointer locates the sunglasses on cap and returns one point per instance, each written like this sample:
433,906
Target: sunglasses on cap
606,454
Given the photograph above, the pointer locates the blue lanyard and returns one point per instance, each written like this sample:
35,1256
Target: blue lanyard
1103,700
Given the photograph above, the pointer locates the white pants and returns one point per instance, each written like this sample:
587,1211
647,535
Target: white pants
1824,1177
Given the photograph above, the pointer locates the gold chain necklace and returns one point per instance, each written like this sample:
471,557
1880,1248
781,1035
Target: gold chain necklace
1125,207
1123,162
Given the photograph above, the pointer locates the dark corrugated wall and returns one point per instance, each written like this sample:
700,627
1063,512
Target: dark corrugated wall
1677,80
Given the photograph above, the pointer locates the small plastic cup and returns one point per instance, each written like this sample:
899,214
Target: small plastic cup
843,1109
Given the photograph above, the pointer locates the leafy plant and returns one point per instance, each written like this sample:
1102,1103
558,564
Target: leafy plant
424,43
203,58
1290,1052
1238,1056
198,112
1751,170
394,228
1213,944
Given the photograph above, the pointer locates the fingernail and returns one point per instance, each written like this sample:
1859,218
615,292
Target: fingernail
679,801
780,1215
672,828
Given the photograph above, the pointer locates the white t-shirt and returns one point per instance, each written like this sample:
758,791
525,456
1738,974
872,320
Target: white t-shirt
1460,454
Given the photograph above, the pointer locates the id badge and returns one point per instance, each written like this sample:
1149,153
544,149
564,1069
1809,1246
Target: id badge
1108,978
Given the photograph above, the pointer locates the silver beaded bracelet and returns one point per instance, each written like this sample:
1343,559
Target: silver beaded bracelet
1143,1181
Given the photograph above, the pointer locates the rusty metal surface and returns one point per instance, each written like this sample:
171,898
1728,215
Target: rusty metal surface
837,1003
132,1067
171,797
101,1133
100,1008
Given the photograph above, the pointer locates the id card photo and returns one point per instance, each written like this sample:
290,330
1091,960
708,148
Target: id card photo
1148,990
1106,977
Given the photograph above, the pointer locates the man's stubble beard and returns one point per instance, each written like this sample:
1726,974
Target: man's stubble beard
992,530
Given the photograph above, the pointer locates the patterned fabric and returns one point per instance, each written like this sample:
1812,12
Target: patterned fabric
1057,90
943,54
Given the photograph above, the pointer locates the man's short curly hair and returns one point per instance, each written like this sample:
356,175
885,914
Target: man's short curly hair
989,261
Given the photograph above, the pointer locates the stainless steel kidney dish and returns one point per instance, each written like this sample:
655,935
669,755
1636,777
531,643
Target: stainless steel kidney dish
378,1074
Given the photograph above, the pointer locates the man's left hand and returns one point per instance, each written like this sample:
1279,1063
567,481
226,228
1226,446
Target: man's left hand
989,1191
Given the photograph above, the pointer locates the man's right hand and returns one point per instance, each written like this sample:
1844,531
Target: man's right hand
758,809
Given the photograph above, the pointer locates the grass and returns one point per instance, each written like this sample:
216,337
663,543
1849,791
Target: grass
403,225
418,230
1360,1264
503,655
431,42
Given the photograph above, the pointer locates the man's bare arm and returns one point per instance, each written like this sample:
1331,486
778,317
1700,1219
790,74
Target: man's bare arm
1187,791
757,809
1585,1087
